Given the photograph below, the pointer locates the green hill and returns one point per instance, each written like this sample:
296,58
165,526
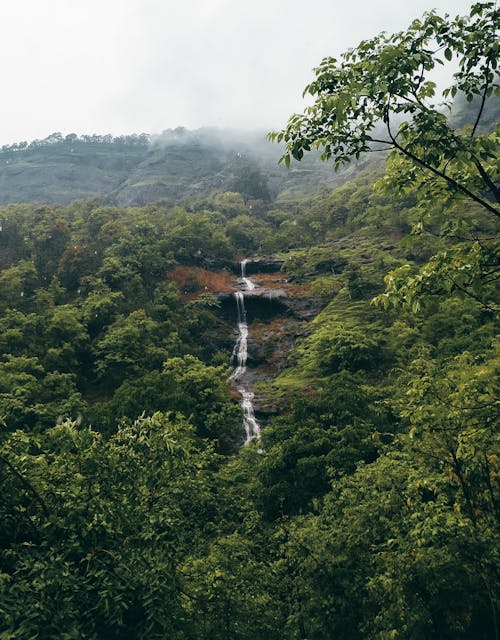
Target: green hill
138,169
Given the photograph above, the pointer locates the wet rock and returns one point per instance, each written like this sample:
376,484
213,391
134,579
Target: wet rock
264,406
269,294
267,304
225,296
260,304
259,265
302,308
325,266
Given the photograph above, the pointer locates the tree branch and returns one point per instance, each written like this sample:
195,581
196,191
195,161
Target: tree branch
473,296
491,185
440,174
27,485
483,100
456,185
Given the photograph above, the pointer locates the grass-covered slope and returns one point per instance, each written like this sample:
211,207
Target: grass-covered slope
136,170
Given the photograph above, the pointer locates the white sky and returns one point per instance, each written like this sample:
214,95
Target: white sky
132,66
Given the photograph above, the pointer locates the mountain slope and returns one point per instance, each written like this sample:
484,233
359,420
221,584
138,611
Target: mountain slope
136,170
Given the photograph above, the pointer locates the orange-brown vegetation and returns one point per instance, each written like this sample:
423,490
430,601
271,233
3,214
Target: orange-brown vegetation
278,281
193,280
269,280
277,328
298,290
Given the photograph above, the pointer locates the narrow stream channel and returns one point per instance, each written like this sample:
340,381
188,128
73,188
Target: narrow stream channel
239,358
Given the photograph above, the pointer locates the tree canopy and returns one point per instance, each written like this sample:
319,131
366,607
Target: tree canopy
370,507
381,95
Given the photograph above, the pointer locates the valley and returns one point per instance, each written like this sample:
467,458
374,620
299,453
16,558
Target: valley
250,400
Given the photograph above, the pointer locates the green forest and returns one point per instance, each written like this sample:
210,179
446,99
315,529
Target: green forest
130,507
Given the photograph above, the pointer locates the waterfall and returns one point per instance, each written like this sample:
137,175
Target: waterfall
247,283
240,355
250,424
240,351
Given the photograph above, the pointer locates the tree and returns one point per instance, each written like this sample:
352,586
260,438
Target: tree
49,248
76,262
92,530
32,398
391,555
17,285
251,183
380,96
385,81
200,392
130,345
334,347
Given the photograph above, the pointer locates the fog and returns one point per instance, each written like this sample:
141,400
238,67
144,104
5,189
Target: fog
124,66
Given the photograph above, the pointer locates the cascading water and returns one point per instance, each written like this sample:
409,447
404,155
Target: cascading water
240,351
240,355
247,283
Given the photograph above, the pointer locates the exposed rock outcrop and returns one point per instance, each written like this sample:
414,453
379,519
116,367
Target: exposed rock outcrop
261,304
277,313
258,265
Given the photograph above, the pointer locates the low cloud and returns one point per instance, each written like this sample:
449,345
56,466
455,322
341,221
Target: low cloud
124,66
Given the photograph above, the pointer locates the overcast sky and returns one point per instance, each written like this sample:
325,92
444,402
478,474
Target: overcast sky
132,66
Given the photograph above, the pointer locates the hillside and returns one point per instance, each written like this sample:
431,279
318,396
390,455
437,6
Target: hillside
138,169
178,164
244,403
128,497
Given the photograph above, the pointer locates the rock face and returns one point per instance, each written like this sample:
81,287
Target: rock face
302,308
265,304
326,266
261,305
258,265
136,170
277,313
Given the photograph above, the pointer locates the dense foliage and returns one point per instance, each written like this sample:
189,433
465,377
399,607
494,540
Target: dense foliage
370,507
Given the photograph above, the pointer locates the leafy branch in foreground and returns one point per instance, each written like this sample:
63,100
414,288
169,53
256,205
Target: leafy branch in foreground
380,94
472,271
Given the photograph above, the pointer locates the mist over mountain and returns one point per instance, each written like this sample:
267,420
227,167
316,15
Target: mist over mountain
179,163
138,169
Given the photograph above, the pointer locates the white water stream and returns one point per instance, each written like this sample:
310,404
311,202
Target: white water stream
248,284
240,355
